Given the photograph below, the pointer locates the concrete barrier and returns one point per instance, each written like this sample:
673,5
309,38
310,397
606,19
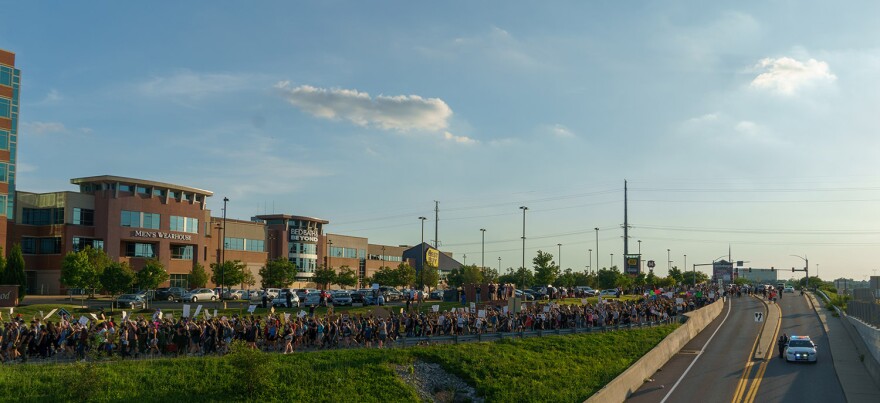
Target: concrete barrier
870,350
633,377
766,345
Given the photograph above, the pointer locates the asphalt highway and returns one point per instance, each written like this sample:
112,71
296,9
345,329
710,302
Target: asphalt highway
725,371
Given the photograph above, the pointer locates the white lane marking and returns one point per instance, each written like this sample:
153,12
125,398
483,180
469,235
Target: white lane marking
703,349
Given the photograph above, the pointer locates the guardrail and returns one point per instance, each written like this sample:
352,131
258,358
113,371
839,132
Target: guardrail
494,336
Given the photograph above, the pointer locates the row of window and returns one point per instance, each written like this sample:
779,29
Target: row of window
159,192
40,246
350,253
42,216
5,138
251,245
8,76
386,258
304,265
303,248
184,224
139,219
81,243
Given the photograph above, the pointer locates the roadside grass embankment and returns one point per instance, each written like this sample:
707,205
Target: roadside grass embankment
546,369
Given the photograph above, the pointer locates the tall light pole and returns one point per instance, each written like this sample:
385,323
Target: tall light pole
223,253
465,259
523,208
422,248
559,258
483,248
499,265
597,249
640,255
686,267
806,268
668,262
612,260
590,262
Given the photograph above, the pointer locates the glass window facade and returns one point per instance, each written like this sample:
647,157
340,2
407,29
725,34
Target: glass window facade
81,243
42,216
180,280
137,219
184,224
350,253
50,246
4,139
28,245
135,249
83,216
182,252
255,245
303,248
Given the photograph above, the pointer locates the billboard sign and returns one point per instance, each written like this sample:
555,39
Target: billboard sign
632,264
432,257
722,271
8,295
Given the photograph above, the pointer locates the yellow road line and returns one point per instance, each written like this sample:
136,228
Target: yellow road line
744,378
750,397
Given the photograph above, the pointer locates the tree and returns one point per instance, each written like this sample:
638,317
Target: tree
405,275
230,272
249,279
640,280
608,277
82,269
198,277
675,273
117,278
324,277
278,273
567,279
432,277
3,272
385,276
521,278
546,270
688,277
346,277
623,281
741,281
151,275
15,271
651,279
490,275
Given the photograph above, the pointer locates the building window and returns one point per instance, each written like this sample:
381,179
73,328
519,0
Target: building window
125,188
172,194
42,216
256,245
81,243
83,216
137,219
143,190
134,249
180,280
50,246
362,253
151,220
234,243
182,252
4,140
3,167
5,108
184,224
158,192
28,245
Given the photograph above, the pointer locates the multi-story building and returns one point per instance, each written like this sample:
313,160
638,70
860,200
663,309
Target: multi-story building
134,220
10,81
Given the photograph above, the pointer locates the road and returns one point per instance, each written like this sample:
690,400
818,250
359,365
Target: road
716,375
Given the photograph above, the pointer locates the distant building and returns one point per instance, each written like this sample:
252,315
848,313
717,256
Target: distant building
10,82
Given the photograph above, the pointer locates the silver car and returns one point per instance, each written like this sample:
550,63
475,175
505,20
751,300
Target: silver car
133,301
199,294
341,298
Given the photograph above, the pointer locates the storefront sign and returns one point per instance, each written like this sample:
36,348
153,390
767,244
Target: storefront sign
432,257
8,295
163,235
632,264
303,235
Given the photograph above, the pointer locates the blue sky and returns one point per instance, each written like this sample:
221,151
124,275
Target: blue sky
750,124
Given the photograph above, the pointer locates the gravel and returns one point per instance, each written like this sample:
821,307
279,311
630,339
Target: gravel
434,384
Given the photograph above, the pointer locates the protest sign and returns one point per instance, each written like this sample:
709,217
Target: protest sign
301,314
546,308
169,316
83,320
286,316
215,313
481,313
679,300
186,309
94,316
583,301
198,310
52,312
124,315
435,308
252,308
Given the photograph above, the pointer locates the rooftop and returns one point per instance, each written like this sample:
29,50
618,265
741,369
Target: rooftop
135,181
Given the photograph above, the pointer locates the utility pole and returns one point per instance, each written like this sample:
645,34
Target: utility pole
436,224
625,222
483,249
223,253
422,248
559,258
597,249
524,208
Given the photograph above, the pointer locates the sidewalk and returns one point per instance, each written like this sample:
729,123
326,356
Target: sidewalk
854,379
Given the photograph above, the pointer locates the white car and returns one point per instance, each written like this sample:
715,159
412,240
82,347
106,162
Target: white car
312,299
199,294
609,293
281,300
800,348
788,289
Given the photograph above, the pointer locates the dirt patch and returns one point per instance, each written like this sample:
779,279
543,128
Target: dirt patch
434,384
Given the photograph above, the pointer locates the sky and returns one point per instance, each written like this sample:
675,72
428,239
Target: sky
747,127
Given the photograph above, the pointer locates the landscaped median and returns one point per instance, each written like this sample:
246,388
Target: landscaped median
548,369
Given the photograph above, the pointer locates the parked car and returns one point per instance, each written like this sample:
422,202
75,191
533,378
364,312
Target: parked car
170,293
788,289
303,292
233,294
281,299
609,293
436,294
273,292
148,295
312,299
357,298
199,294
586,290
528,296
132,301
341,298
391,294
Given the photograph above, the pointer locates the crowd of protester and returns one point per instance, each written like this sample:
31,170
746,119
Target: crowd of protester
160,335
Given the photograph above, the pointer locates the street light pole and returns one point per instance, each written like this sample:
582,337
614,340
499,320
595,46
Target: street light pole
559,258
422,248
465,259
805,270
668,262
483,249
523,208
612,260
640,255
597,249
685,267
499,265
223,253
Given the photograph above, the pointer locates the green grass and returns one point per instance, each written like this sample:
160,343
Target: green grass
551,368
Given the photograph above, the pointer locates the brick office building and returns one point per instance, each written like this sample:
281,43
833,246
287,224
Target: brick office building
10,81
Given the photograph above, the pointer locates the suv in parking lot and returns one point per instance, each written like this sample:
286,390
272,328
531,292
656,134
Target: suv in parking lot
170,293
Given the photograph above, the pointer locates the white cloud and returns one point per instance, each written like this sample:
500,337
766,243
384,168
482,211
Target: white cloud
194,85
401,113
458,139
720,128
39,128
786,75
52,97
561,131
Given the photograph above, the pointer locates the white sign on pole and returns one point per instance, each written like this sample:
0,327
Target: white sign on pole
286,316
215,313
759,317
481,313
83,320
52,312
435,308
583,301
186,309
198,310
679,300
124,315
252,308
